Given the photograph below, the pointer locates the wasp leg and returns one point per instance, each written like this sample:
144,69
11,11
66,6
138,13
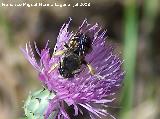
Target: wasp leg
52,67
91,69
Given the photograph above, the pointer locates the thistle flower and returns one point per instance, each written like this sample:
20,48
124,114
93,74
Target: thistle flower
91,92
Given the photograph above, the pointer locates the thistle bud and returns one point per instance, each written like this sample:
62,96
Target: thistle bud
36,104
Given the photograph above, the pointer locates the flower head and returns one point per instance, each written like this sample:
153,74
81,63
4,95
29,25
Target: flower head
91,92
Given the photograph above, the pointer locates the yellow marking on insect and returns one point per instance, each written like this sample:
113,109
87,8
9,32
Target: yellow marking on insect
73,44
91,70
52,67
57,53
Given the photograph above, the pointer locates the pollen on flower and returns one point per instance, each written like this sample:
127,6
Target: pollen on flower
83,76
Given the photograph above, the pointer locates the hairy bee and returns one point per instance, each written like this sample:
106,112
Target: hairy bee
74,56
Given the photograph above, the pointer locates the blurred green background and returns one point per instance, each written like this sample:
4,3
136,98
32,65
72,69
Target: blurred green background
133,25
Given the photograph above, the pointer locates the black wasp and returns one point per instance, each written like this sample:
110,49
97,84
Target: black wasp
74,56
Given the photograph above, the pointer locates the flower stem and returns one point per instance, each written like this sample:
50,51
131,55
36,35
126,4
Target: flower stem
130,46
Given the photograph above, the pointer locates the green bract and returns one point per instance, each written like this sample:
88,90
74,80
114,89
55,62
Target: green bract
36,104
